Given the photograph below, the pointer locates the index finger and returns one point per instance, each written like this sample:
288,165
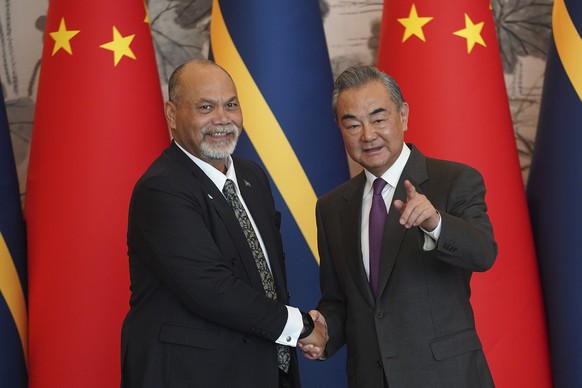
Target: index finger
410,189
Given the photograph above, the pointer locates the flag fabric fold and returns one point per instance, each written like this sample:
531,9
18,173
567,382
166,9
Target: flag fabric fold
98,124
447,62
13,315
277,55
555,176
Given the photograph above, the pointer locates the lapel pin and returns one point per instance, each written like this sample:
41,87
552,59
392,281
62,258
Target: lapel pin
247,183
209,196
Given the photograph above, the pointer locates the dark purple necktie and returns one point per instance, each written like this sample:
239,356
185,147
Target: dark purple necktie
376,230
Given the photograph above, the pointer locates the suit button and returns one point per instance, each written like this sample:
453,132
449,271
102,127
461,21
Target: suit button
246,339
234,261
379,315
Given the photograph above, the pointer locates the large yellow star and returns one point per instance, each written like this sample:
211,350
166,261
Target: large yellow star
63,37
413,25
471,32
120,46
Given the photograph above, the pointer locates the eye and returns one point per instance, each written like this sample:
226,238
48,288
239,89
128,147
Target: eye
231,105
352,126
206,107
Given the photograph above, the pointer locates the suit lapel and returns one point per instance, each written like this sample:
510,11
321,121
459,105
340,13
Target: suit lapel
240,241
216,200
392,238
415,171
351,221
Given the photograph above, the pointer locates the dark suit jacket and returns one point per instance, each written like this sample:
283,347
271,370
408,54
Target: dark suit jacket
420,332
198,314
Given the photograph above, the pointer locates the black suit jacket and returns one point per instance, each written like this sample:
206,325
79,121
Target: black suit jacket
420,332
198,314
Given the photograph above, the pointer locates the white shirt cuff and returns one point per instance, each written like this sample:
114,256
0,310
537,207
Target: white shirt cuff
292,329
431,238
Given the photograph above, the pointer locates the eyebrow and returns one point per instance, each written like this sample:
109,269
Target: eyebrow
211,101
376,111
349,116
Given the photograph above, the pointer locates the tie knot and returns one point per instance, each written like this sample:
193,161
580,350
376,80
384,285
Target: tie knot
379,184
228,187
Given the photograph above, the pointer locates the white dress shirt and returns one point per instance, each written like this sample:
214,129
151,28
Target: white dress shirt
391,176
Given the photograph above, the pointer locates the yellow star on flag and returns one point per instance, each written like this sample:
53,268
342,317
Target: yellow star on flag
471,32
120,46
63,37
413,24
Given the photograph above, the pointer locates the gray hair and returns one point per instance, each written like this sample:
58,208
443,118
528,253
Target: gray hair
360,75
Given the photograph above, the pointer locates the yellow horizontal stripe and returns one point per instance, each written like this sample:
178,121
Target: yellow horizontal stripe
568,44
266,134
11,290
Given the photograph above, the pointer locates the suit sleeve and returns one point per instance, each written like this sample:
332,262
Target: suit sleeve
466,239
169,228
332,303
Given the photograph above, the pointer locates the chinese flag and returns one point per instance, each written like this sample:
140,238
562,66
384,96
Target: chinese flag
98,124
446,59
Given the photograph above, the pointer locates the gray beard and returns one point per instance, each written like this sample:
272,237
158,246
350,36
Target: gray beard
219,152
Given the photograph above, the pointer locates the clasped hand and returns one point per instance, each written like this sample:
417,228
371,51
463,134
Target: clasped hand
313,346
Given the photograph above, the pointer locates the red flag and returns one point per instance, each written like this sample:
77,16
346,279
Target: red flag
446,59
98,124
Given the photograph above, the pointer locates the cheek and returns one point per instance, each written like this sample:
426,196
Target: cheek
352,144
393,133
237,119
194,124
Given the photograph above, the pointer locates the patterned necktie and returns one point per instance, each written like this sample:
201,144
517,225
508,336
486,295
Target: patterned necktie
378,215
229,191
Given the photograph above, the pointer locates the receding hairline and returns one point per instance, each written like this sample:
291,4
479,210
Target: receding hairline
174,82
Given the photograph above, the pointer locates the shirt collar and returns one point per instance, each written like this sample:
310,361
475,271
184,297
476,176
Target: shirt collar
217,177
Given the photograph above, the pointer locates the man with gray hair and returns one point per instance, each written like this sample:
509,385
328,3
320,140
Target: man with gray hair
398,244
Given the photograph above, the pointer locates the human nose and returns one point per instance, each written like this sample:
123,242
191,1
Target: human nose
368,133
221,117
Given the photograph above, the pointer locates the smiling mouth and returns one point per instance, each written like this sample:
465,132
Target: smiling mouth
373,149
219,135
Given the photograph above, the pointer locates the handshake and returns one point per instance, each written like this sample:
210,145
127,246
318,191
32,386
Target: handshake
313,346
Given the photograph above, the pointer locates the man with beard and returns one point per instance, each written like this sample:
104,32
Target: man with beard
209,296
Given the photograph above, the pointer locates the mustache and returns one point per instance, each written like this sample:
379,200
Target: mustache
222,129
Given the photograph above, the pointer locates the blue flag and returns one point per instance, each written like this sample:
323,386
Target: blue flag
277,55
553,190
13,316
